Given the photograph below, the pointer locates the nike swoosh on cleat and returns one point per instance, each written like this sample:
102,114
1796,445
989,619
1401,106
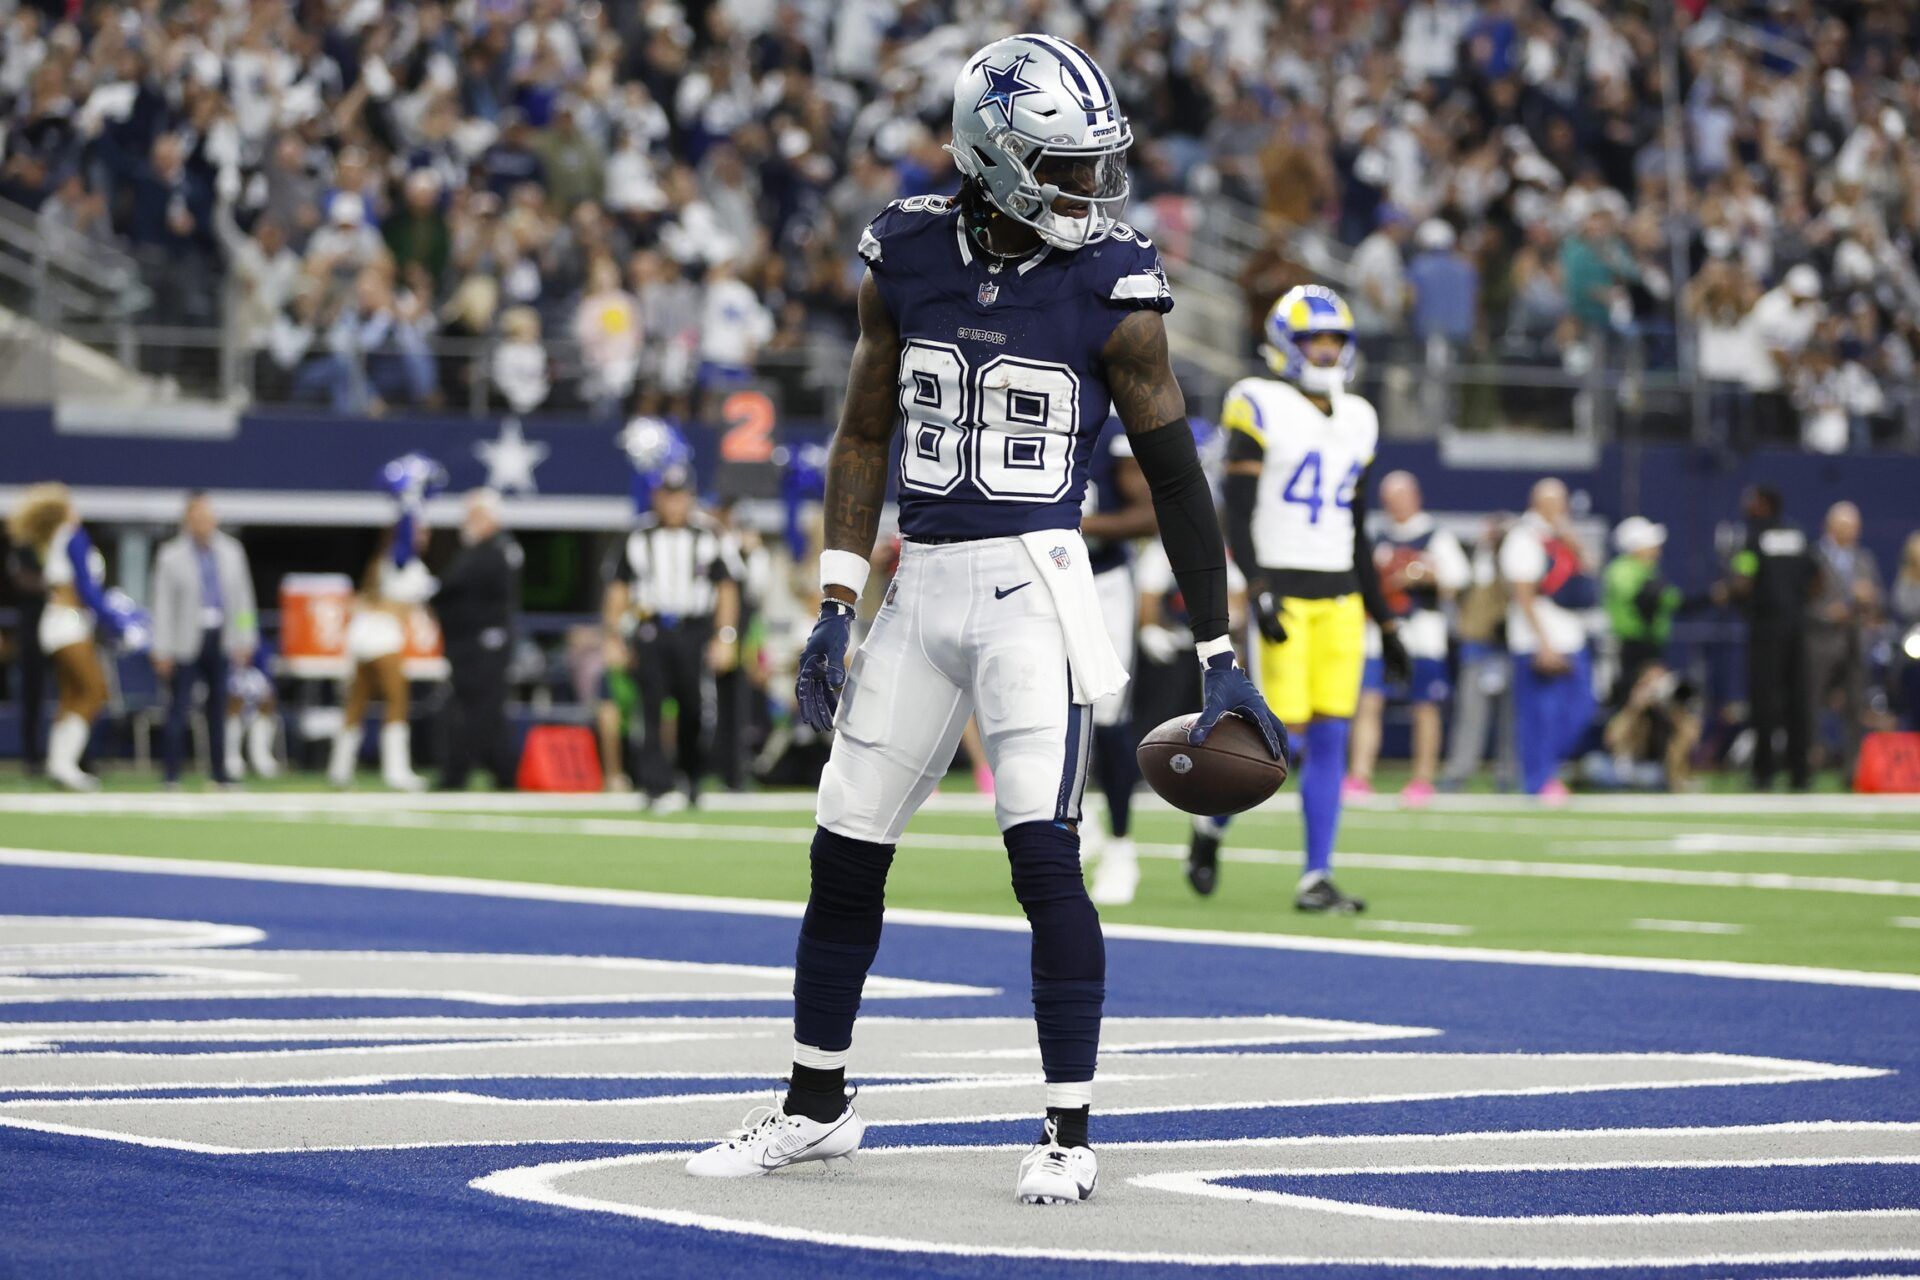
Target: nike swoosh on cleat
784,1158
1001,593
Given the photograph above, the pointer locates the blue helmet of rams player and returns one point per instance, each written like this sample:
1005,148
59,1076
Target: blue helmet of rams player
1302,312
1035,120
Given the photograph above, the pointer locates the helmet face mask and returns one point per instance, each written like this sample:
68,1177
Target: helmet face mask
1035,125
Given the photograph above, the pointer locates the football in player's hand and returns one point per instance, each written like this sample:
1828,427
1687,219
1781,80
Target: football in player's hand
1228,773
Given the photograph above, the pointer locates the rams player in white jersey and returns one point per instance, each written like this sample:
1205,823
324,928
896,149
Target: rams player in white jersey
1298,453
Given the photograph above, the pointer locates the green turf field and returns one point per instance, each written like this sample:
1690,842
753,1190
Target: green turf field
1829,881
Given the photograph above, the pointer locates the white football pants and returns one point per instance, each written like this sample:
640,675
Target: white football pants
965,630
1120,610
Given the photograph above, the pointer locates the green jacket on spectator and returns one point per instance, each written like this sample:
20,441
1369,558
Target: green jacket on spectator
576,170
1590,271
1640,603
420,238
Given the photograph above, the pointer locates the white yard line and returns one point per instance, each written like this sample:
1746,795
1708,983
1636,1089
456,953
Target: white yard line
642,828
1905,922
1725,842
1688,926
1797,842
1414,926
946,919
1655,826
1636,875
1650,847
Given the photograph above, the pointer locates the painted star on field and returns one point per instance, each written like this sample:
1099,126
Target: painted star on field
1004,84
510,460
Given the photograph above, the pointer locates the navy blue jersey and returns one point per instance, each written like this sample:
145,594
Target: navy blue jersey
1002,393
1103,494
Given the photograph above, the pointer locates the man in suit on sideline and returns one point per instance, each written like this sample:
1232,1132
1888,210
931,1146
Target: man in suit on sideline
478,605
204,622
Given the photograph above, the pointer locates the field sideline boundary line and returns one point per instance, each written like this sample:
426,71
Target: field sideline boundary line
531,890
1650,806
640,828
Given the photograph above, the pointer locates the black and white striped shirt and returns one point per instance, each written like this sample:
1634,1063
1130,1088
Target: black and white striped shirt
675,573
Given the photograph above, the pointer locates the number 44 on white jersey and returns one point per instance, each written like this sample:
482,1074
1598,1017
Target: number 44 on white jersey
1313,461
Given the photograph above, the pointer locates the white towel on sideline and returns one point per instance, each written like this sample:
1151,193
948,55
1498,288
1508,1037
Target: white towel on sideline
1060,559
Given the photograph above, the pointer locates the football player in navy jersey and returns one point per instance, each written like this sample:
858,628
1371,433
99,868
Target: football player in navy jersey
998,330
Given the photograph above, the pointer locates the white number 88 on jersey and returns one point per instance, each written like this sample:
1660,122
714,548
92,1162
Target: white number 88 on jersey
1008,425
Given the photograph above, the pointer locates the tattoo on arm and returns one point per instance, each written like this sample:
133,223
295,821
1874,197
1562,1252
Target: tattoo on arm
857,458
1140,377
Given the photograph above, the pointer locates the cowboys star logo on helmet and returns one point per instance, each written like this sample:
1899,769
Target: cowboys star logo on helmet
1003,86
1036,123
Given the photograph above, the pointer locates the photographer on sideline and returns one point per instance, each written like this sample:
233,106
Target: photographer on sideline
1650,740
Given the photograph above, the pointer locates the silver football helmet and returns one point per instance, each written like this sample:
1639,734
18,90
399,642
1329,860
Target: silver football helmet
1035,123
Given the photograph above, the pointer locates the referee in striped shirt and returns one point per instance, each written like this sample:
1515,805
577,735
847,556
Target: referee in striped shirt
673,607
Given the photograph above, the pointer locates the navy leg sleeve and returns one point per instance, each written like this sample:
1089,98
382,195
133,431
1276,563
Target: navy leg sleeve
1069,956
838,937
1118,769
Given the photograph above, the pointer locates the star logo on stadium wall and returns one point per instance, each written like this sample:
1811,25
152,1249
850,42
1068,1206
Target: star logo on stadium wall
1004,85
510,460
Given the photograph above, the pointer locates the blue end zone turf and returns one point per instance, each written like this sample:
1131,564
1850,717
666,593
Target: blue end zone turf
91,1205
1541,1193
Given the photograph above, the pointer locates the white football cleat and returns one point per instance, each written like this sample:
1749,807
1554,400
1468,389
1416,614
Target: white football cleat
396,758
1053,1174
771,1139
1117,875
72,778
1093,838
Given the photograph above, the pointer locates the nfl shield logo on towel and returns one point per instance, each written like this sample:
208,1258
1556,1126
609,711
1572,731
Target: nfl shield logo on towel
988,292
1060,557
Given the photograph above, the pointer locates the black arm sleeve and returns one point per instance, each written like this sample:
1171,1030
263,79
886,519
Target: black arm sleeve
1243,495
1189,526
1365,572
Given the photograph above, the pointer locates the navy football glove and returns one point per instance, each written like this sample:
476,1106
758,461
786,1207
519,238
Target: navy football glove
823,665
1230,692
1267,607
1393,658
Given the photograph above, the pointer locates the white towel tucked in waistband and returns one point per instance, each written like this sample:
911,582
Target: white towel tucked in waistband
1060,558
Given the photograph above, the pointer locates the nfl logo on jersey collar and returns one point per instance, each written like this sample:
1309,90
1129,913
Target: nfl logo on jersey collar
989,291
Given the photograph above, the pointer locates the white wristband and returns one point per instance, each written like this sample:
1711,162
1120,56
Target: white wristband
1213,648
844,569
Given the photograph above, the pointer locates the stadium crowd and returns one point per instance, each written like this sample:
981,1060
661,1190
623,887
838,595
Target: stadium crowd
626,206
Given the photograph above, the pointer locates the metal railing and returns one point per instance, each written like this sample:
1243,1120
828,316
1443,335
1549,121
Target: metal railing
55,276
1422,391
439,373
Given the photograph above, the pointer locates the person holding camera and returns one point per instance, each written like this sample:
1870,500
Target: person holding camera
1640,601
1649,741
1546,571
